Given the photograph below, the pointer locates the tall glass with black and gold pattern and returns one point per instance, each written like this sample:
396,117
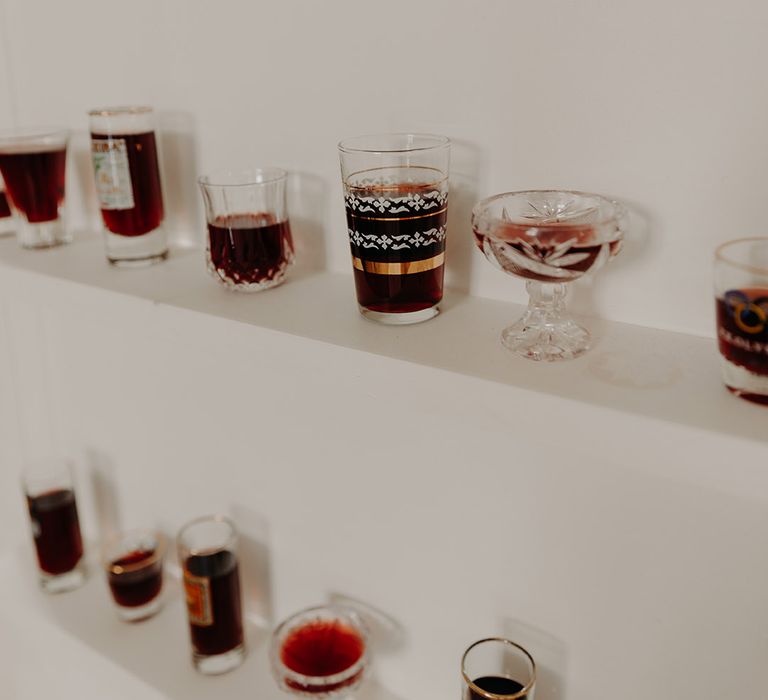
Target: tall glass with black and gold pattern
396,199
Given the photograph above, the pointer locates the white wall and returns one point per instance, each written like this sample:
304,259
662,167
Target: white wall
662,104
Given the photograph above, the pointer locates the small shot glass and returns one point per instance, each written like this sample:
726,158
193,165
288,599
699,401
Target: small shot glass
320,652
249,244
497,669
133,562
50,494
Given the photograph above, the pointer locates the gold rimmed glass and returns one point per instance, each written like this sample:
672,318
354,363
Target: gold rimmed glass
498,669
133,562
741,305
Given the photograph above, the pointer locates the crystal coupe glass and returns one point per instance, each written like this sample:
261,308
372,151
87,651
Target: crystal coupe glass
549,238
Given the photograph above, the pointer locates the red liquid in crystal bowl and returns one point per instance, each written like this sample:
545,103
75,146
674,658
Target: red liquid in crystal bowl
322,648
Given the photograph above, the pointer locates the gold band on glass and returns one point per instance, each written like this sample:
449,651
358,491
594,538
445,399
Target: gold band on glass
399,218
398,268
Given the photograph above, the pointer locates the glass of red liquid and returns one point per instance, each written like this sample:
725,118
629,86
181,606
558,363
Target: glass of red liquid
207,552
33,165
497,669
134,564
127,173
396,200
741,305
320,651
249,246
7,225
549,238
52,508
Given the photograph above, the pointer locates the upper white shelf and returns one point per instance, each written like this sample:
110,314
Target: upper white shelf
668,376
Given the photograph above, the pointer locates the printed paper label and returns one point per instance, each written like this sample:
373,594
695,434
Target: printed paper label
113,174
198,589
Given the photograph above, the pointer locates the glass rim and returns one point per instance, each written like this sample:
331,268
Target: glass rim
479,211
250,177
157,555
720,254
46,468
495,696
119,109
33,135
229,544
338,612
345,145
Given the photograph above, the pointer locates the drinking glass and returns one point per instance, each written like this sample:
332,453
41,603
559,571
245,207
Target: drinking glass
549,238
212,584
7,224
33,165
396,200
249,246
125,166
50,494
133,562
497,669
320,652
741,299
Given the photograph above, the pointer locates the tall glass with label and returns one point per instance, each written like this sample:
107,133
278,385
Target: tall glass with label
33,165
50,494
208,557
396,201
127,173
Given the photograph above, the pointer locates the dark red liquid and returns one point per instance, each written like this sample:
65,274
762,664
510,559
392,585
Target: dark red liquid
147,211
378,234
322,648
135,586
742,333
56,530
213,599
498,685
35,182
5,209
249,248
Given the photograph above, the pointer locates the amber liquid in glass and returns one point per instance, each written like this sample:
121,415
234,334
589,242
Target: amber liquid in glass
56,529
35,182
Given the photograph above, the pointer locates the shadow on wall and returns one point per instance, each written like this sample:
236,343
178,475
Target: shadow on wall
307,209
177,143
467,162
84,189
549,653
103,480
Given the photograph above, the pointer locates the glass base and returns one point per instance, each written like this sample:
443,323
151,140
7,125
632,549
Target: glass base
248,287
136,251
549,341
139,612
45,234
7,226
746,385
61,583
400,319
219,663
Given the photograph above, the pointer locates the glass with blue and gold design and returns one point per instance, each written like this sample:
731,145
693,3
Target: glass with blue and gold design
396,199
741,299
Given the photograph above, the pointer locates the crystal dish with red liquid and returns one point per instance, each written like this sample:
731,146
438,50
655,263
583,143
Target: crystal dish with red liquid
320,651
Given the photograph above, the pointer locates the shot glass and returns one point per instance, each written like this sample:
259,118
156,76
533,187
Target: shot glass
497,669
33,165
741,304
249,245
133,562
207,553
125,166
52,508
396,199
7,224
320,652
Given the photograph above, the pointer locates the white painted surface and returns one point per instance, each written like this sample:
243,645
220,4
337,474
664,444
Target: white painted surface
626,551
660,104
